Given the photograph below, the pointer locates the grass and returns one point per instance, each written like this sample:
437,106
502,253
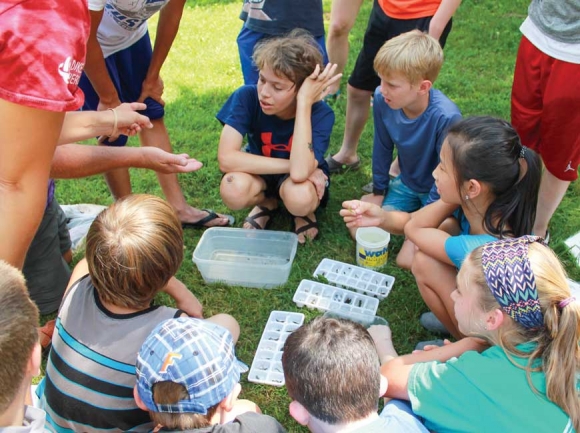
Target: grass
202,71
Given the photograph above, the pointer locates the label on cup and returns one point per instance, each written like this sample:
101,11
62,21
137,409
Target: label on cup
372,258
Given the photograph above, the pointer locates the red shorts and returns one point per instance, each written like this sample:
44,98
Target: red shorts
42,52
546,109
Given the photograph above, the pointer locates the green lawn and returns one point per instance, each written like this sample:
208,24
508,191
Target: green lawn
203,70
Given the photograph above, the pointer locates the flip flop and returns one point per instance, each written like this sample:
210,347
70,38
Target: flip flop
332,97
309,225
335,167
211,215
264,212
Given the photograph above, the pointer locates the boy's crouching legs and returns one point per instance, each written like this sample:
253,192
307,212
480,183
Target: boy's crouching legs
299,198
240,190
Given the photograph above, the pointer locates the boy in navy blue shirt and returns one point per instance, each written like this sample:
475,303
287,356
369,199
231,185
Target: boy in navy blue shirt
412,117
288,131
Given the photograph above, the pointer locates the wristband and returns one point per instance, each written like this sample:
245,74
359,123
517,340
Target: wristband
114,133
377,191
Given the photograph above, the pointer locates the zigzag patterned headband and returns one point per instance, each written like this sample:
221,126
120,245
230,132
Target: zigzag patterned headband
509,276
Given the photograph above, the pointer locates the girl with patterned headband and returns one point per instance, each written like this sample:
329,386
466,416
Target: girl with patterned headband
513,294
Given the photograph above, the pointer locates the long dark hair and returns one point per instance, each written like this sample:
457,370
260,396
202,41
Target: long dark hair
489,150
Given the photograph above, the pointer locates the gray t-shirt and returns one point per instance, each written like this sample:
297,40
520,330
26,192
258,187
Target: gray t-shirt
33,422
246,423
558,19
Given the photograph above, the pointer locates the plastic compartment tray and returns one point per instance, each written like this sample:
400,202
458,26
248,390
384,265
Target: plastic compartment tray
366,321
242,257
267,364
356,278
324,298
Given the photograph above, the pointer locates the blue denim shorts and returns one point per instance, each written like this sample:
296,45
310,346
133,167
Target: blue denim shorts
402,198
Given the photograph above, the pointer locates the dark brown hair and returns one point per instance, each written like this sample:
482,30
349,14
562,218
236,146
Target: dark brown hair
332,369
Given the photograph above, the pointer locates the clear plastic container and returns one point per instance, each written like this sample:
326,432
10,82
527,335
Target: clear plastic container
364,320
245,257
267,364
356,278
324,297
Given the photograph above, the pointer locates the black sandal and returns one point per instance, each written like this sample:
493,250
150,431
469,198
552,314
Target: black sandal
309,225
264,212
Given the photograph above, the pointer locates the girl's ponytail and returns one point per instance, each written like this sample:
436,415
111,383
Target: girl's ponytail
561,354
522,199
489,150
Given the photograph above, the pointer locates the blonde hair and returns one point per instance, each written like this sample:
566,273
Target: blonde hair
18,332
170,393
293,56
556,342
133,248
414,54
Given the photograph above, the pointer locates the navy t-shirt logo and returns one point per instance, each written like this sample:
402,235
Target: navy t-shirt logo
282,150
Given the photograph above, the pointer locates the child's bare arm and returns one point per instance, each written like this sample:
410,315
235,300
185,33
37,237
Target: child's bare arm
315,87
397,370
423,229
96,69
231,157
444,13
184,299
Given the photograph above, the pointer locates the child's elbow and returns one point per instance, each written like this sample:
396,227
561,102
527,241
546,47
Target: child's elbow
224,162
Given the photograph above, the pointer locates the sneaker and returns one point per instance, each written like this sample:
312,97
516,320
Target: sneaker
368,188
335,167
422,344
431,323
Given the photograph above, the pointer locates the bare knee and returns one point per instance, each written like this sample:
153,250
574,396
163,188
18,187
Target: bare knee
236,190
227,322
299,198
340,27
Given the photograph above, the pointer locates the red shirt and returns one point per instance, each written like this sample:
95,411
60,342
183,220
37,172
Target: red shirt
409,9
42,52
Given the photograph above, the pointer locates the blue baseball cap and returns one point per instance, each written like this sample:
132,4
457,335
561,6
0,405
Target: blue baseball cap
194,353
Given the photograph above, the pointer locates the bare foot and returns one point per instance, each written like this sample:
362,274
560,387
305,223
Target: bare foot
306,227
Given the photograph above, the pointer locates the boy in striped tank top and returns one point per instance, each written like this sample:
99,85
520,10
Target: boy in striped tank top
134,248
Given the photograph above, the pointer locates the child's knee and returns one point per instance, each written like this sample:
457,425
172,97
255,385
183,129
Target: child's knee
227,322
299,198
235,190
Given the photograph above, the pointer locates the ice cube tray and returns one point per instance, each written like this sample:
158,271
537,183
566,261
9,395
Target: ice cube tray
267,364
366,321
356,278
324,297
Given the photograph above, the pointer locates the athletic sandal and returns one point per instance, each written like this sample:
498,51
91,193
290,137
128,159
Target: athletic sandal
211,215
335,167
368,188
263,212
301,230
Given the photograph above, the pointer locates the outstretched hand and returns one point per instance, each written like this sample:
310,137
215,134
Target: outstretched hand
168,163
357,213
316,86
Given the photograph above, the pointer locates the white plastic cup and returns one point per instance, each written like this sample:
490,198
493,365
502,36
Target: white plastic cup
372,247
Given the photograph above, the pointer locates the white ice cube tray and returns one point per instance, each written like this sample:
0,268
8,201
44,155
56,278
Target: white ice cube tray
267,364
324,298
356,278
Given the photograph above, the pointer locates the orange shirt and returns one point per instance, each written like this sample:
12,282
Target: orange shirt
409,9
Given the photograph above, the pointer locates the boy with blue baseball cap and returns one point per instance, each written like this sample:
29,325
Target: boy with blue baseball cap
188,379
